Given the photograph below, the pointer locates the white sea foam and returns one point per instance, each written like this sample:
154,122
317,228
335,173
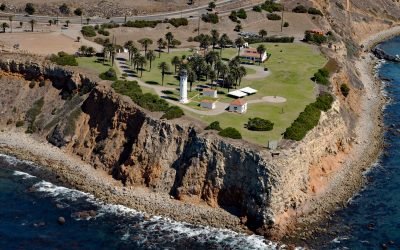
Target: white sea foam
23,175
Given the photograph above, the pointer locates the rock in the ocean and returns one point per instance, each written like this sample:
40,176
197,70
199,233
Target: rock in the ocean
61,220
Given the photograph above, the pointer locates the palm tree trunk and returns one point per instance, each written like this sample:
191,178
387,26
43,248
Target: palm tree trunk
168,47
162,78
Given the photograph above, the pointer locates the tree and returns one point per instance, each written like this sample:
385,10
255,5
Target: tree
131,49
223,41
50,22
11,18
263,33
214,38
78,39
204,41
242,72
212,76
176,62
2,7
5,26
32,22
261,50
212,57
141,61
83,50
150,57
64,9
87,20
160,44
169,37
239,42
67,22
212,5
175,43
90,51
30,9
145,42
192,77
163,66
78,12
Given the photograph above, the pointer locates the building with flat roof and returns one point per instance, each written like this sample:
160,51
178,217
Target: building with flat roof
210,93
208,104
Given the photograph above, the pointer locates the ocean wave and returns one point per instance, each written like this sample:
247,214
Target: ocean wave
23,175
165,226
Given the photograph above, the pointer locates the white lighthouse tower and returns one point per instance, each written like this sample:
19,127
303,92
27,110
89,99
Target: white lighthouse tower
183,86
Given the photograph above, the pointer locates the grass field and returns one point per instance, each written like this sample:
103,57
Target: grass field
95,64
291,67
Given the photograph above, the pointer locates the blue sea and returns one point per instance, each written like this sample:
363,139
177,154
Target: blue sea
30,209
372,218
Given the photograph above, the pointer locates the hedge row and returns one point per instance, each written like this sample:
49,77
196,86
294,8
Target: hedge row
271,39
64,59
227,132
309,118
88,31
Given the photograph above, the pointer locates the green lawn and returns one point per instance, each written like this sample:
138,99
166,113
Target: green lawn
291,66
95,64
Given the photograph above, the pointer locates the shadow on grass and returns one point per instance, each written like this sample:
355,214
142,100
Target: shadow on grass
121,59
167,92
152,82
171,84
170,98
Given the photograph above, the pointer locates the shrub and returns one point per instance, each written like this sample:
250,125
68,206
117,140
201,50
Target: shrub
176,22
142,23
300,9
271,39
210,18
30,9
103,32
286,24
2,7
314,38
78,12
241,14
32,113
233,16
147,101
110,25
344,89
32,84
321,77
314,11
273,17
270,6
324,102
257,8
64,59
88,31
214,126
309,118
173,113
259,124
230,133
110,75
64,9
19,124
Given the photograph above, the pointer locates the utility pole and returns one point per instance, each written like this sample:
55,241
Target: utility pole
283,9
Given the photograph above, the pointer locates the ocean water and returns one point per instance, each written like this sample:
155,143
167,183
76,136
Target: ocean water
372,218
30,208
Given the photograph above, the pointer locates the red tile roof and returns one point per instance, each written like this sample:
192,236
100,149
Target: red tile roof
239,102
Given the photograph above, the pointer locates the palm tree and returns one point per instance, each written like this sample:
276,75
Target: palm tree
192,77
212,76
263,33
67,22
214,38
135,61
129,46
87,20
83,50
218,67
141,61
242,72
176,62
90,51
239,42
212,57
261,50
163,66
11,18
160,43
150,56
5,26
223,41
32,22
169,37
145,42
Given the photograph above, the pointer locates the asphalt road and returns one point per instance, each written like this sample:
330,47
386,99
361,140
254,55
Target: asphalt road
187,13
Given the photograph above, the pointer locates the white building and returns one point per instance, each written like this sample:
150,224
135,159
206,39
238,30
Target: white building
208,104
183,87
251,55
210,93
238,106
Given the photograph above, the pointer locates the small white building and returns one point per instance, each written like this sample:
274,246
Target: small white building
208,104
251,55
238,106
210,93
